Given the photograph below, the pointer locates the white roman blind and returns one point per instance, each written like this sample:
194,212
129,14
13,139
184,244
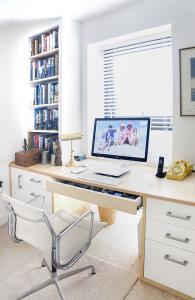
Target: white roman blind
111,97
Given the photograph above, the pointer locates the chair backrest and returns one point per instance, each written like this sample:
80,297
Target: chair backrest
29,223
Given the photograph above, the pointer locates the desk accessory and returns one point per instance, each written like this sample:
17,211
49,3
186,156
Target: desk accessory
45,157
160,173
58,155
70,137
80,157
179,170
52,162
79,169
27,158
25,146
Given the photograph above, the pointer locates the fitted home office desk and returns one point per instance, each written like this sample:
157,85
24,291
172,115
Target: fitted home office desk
168,222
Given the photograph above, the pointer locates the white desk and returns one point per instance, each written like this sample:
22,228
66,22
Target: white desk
168,231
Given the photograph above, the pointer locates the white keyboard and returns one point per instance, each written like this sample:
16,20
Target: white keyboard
100,178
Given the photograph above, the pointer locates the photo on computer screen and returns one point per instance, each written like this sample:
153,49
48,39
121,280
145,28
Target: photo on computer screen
121,138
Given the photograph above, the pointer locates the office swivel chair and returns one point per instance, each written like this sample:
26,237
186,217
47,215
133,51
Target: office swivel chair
63,236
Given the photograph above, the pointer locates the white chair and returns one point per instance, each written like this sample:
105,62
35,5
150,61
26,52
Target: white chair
63,236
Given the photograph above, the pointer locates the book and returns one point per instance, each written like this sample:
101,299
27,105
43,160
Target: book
45,93
46,119
45,142
44,68
44,43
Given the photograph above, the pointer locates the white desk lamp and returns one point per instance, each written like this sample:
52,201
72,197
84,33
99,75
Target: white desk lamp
70,137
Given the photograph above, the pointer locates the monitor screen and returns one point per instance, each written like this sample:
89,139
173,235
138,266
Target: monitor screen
121,138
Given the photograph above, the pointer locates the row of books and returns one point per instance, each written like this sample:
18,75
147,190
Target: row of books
46,93
46,119
44,68
44,43
45,142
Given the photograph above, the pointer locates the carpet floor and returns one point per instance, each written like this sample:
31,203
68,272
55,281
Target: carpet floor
114,253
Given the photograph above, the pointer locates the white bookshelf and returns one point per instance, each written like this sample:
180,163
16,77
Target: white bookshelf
43,131
46,105
44,81
44,54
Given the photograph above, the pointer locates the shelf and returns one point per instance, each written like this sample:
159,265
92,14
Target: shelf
45,40
45,105
44,79
44,54
43,131
44,31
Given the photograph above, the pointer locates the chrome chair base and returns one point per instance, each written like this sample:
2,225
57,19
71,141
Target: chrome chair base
55,280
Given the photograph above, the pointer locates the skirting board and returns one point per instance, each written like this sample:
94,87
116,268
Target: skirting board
166,289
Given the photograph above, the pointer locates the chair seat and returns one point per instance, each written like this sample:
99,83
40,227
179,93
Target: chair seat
70,244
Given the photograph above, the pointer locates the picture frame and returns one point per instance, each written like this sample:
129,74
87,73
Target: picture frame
187,81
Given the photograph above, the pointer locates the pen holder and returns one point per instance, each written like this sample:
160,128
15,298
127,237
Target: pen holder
45,157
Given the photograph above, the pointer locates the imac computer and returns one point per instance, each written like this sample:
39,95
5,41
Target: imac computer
120,138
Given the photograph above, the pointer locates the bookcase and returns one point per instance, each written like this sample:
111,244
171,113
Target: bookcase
44,82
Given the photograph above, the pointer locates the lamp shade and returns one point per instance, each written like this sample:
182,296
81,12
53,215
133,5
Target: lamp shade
71,136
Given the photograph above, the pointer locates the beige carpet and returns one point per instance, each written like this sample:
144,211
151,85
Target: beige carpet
113,251
110,282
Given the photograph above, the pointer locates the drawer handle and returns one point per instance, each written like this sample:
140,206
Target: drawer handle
34,180
170,214
19,181
35,198
171,237
35,195
183,263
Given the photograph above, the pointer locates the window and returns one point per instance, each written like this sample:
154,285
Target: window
138,81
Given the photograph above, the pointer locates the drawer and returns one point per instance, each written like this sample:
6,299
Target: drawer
170,266
100,197
172,235
170,212
36,180
38,198
20,178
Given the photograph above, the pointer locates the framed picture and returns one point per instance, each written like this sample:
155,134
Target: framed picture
187,81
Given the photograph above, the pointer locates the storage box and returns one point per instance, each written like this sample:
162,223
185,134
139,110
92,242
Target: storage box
28,158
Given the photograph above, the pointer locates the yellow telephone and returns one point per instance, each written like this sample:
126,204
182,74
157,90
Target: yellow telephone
179,170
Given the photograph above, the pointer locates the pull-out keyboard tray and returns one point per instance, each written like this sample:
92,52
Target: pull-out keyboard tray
104,197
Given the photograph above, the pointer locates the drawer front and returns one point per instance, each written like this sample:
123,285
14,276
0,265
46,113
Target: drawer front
38,198
17,183
36,180
31,188
170,266
106,200
170,212
21,178
169,234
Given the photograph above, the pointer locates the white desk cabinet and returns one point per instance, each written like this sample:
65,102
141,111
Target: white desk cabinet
170,245
170,266
30,187
168,227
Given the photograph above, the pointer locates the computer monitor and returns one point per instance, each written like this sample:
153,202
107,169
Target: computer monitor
121,138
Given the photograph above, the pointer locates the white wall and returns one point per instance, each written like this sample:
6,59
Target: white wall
70,83
14,86
138,16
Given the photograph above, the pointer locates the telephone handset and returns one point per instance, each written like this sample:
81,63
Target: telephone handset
179,170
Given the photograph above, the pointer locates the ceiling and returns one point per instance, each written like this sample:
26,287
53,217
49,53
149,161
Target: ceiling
75,9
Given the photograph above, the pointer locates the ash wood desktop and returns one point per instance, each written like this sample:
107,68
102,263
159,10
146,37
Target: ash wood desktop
168,222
